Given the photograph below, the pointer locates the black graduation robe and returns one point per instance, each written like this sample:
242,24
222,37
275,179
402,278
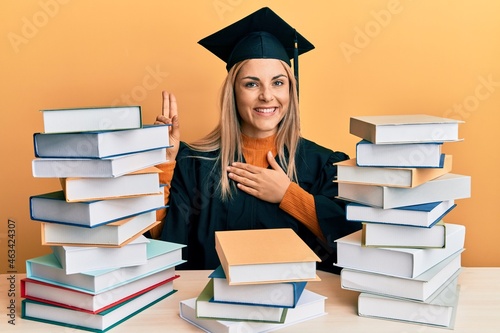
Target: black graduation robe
195,210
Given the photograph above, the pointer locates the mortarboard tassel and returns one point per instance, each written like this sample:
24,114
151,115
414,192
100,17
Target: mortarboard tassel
296,59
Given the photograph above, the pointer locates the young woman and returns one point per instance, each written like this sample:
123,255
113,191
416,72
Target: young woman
254,170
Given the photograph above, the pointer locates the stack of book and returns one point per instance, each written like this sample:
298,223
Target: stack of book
102,269
260,285
406,260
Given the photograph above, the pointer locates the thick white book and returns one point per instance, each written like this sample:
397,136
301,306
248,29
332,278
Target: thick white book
141,182
52,207
161,256
91,167
207,308
281,294
113,234
440,310
91,119
311,305
400,262
447,187
407,128
78,259
419,288
101,144
422,215
402,155
392,235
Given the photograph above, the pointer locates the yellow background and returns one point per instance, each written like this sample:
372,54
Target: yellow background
372,57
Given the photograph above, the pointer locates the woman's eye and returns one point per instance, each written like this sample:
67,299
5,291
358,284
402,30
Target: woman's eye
250,84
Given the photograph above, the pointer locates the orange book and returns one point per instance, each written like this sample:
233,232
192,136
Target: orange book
265,256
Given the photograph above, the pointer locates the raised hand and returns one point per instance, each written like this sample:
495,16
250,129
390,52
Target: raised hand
266,184
169,116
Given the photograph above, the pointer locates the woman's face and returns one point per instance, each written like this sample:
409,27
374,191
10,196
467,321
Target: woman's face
262,96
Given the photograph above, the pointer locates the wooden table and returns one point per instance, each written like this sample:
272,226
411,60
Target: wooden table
478,308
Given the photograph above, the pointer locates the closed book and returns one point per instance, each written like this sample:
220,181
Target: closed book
91,167
446,187
91,119
142,182
419,288
399,155
422,215
99,322
349,172
101,144
392,235
113,234
401,262
53,207
408,128
86,302
265,256
206,308
78,259
311,305
439,311
161,256
281,294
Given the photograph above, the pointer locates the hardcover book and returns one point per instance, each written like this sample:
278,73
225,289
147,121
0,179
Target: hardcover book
284,294
91,303
161,256
422,215
78,259
439,311
91,119
414,128
265,256
419,288
311,305
91,167
99,322
402,155
53,207
206,308
400,262
114,234
391,235
446,187
349,172
101,144
141,182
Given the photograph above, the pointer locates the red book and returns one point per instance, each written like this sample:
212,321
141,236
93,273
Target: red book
93,303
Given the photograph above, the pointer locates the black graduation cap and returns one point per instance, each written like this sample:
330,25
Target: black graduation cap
262,34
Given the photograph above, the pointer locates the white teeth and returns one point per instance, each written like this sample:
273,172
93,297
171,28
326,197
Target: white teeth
267,110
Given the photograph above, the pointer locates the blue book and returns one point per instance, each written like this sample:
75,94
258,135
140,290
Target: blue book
279,294
101,144
422,215
53,207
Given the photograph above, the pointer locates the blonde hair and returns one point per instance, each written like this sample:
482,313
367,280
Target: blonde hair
227,134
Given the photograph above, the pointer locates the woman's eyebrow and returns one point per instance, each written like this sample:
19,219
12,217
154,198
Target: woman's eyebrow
257,79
